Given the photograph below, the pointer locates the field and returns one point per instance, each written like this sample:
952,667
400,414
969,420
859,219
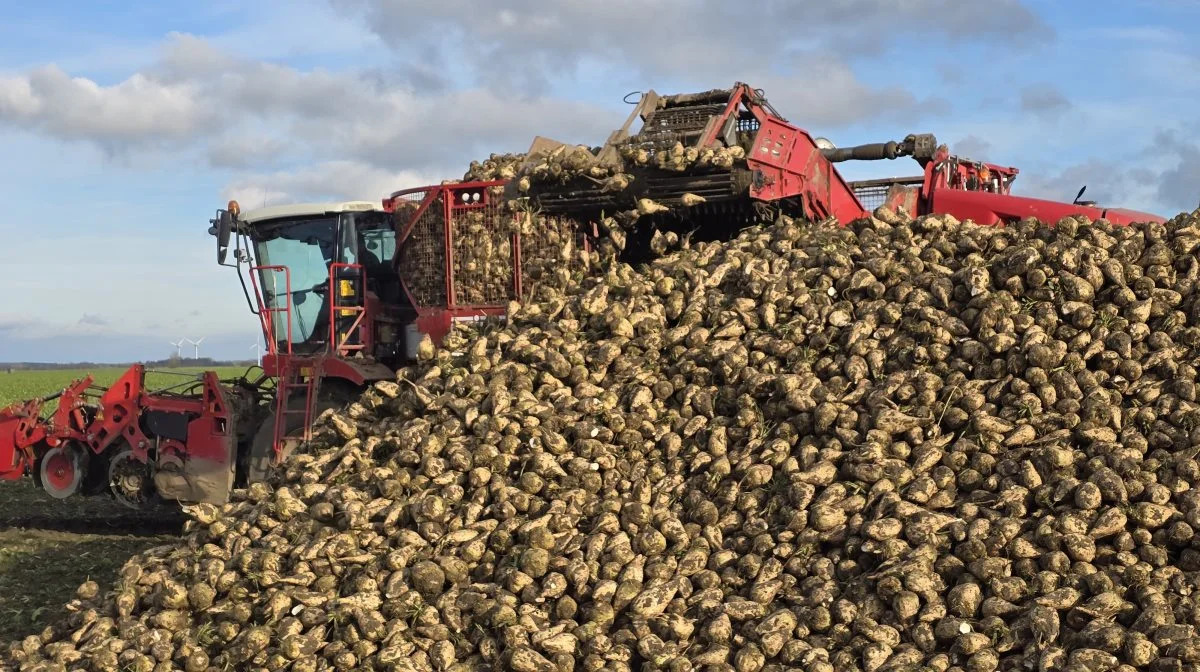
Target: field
40,569
20,385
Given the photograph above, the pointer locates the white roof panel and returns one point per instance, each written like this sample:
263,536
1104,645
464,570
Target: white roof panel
307,210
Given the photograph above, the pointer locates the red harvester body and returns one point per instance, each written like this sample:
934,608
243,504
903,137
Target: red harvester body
137,445
785,168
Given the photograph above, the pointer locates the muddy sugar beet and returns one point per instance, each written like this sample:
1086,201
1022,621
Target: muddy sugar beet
890,447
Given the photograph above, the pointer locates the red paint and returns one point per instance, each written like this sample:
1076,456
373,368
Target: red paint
786,165
437,320
982,193
993,209
265,312
60,471
342,344
116,414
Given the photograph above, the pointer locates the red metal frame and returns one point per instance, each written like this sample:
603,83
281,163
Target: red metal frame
265,312
340,343
947,189
22,428
444,197
357,372
303,372
116,415
284,365
997,209
437,320
786,163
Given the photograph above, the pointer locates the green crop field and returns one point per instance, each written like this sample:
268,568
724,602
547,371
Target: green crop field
21,384
40,569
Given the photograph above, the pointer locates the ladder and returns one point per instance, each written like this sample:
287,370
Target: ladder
346,327
299,380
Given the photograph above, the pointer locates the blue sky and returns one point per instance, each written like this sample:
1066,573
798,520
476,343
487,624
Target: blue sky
125,127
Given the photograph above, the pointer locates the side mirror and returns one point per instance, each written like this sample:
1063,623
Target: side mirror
224,228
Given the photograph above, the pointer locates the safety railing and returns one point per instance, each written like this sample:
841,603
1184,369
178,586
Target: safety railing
352,313
267,309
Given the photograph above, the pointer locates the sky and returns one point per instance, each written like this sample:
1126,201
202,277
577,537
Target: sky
124,127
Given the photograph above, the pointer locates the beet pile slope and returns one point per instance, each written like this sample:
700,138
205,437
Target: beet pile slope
896,445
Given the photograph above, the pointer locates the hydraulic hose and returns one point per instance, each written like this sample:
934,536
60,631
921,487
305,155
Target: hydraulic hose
872,152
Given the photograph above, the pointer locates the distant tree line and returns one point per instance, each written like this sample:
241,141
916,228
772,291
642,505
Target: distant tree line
168,363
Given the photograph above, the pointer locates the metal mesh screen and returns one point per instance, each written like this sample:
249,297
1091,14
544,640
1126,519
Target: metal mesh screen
422,257
484,239
666,126
548,243
482,251
872,196
873,193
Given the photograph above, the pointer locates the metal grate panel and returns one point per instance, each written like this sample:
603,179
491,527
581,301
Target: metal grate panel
482,250
872,197
671,124
873,193
548,243
422,256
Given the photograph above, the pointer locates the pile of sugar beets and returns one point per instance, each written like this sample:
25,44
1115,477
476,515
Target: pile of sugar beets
897,446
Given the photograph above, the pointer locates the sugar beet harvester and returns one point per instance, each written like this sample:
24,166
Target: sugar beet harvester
346,292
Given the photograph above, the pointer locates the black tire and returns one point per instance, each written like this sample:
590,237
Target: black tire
258,461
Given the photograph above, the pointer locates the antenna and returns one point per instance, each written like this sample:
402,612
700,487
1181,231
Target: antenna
197,344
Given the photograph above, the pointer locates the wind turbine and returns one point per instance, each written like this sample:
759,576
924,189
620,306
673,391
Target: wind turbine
178,347
257,348
197,344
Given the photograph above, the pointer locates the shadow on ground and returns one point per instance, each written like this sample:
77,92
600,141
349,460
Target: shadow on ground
40,570
48,547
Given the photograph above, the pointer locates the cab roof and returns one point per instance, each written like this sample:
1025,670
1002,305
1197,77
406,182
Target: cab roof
307,210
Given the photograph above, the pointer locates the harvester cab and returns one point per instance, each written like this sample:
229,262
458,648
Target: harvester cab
328,301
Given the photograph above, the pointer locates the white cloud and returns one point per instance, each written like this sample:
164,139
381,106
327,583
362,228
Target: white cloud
241,150
1180,183
529,43
334,180
251,114
246,113
138,109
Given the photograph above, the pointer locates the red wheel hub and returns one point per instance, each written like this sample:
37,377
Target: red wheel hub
60,472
